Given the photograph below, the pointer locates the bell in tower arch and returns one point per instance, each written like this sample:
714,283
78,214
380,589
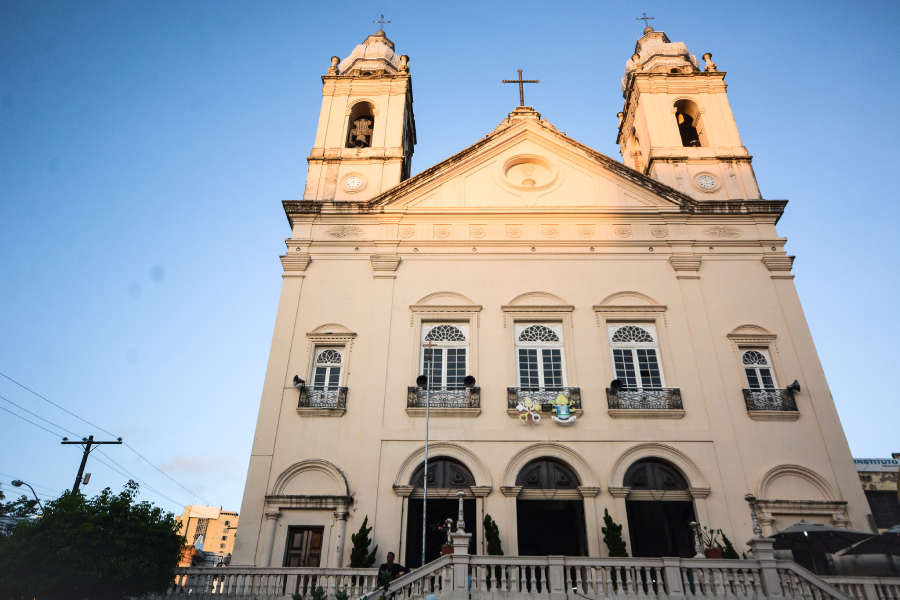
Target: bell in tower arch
361,134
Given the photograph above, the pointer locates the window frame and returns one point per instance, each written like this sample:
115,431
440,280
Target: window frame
633,348
769,364
318,350
443,307
445,347
540,346
334,336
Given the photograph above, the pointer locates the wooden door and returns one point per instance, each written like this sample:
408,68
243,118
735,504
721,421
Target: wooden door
304,547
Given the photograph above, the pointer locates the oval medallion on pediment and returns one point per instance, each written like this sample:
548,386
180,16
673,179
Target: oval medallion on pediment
529,172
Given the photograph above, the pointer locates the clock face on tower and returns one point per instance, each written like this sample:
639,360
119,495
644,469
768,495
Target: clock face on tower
707,182
353,182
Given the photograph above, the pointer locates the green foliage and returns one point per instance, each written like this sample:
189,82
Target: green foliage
708,537
492,536
612,536
22,508
341,595
385,578
360,557
317,594
727,548
107,547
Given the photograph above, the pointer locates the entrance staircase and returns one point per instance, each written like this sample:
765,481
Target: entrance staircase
467,577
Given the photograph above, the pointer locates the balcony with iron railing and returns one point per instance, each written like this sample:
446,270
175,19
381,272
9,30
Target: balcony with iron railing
443,401
771,404
659,403
322,401
545,396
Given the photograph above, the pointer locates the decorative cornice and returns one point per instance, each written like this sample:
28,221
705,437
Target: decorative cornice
295,264
606,309
511,491
588,492
619,492
309,502
778,263
403,490
384,265
685,263
697,492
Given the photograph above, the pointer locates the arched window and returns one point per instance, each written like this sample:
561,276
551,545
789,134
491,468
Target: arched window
361,126
539,356
443,473
758,369
444,354
635,355
327,370
687,116
654,475
547,474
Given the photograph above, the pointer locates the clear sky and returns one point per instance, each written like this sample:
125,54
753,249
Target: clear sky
145,148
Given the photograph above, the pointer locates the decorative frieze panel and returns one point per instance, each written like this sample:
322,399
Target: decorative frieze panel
659,231
550,231
478,231
344,231
515,231
587,231
722,231
622,231
443,231
407,231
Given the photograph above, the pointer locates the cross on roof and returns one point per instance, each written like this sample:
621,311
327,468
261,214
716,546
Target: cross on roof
520,81
645,18
382,21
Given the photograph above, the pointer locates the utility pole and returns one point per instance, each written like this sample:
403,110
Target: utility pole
88,444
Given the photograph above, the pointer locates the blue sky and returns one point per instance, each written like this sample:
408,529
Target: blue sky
146,147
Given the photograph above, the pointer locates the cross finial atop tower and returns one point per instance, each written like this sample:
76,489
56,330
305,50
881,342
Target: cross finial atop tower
520,81
382,22
645,19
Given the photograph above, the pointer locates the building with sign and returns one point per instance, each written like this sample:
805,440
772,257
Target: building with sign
210,528
879,478
597,335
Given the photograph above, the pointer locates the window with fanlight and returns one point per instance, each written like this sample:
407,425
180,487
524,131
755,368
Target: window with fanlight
540,356
327,368
635,356
444,355
758,369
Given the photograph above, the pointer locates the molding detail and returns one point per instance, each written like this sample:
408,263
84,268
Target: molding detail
407,231
384,265
515,231
345,231
444,412
550,450
294,264
659,231
622,231
722,231
477,231
688,467
685,263
774,415
808,475
778,263
449,450
586,231
751,334
443,231
633,413
550,231
312,464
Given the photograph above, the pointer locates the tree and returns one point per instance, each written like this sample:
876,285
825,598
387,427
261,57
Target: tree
492,536
612,536
360,557
105,548
727,548
10,512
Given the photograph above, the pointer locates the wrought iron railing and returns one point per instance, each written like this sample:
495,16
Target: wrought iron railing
770,400
444,397
323,397
544,396
644,399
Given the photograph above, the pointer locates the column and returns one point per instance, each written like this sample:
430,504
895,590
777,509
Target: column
588,495
341,516
512,518
620,513
269,540
480,491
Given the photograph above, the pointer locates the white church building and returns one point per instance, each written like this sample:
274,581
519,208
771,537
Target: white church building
630,330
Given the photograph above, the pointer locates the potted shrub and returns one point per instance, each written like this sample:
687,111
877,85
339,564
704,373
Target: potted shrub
709,540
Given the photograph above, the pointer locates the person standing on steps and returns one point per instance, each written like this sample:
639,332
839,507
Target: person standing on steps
395,569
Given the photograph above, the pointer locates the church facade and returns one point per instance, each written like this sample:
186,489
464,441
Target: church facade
595,335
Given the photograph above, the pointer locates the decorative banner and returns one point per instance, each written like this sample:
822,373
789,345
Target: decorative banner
530,410
563,413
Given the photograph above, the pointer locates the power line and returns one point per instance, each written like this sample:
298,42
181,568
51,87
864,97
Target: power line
14,490
101,429
39,417
147,485
56,405
34,484
160,494
32,422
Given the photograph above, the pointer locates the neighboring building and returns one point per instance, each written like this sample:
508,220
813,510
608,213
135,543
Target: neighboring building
879,480
648,306
217,527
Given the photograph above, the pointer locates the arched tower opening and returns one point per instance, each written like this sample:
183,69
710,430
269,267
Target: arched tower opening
361,125
660,510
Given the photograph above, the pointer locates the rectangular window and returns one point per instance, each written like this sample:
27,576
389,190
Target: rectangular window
304,547
327,368
540,357
444,354
635,356
885,508
758,369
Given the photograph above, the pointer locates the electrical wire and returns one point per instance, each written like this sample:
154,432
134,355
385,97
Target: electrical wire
139,480
32,422
39,417
15,490
160,494
101,429
34,484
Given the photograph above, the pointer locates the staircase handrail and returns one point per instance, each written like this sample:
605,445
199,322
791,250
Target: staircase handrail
412,577
810,577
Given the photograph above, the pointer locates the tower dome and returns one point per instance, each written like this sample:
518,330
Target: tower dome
655,53
375,56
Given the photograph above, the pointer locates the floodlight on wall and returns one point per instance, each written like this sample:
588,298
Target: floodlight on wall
422,381
616,385
794,387
298,382
469,381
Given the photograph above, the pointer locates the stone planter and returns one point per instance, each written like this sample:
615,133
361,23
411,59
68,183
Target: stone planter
445,550
713,553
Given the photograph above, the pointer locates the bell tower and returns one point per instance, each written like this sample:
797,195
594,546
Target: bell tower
677,125
364,142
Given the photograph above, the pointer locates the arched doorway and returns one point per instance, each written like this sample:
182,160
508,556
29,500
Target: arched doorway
660,510
550,510
446,477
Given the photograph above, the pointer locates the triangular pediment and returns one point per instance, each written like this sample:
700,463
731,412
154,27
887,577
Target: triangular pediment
526,163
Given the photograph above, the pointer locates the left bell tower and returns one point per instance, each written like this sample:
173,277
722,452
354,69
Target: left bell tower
364,142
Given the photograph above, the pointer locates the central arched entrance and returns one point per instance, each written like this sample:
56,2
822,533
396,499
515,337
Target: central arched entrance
446,477
550,510
660,510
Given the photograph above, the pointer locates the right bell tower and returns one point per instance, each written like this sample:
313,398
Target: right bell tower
677,125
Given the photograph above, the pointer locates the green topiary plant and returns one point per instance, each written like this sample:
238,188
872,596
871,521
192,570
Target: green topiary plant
492,536
360,557
317,594
727,548
612,536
